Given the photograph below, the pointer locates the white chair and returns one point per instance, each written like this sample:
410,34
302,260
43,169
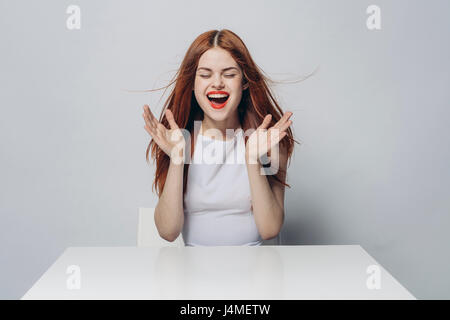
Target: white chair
148,235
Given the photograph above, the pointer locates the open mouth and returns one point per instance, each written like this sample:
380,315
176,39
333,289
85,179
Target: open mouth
218,99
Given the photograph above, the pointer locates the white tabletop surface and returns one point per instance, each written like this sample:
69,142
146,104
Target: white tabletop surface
262,272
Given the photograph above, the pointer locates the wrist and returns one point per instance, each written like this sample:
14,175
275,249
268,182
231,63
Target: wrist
177,156
251,159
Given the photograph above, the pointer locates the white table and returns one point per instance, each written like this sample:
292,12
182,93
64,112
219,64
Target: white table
263,272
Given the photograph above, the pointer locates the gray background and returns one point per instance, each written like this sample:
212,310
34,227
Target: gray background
372,168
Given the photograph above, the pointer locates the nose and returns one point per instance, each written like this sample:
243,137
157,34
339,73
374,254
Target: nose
218,82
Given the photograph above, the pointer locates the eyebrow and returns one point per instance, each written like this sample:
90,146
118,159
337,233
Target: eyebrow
225,69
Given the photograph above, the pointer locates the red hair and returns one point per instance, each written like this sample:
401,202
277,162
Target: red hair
256,103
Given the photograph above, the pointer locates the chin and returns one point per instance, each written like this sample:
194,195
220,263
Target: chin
217,116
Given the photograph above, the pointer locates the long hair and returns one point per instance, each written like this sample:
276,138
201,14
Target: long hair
256,103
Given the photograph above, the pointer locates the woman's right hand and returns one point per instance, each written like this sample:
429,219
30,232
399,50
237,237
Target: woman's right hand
169,140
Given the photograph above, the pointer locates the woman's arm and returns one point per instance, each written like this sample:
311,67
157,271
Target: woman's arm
169,213
267,201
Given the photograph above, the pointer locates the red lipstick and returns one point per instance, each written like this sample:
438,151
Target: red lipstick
218,106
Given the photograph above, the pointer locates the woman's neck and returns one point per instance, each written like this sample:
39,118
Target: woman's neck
222,126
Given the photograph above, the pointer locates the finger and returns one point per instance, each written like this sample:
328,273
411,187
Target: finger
285,125
161,130
147,116
171,120
276,134
283,119
150,131
276,138
150,116
265,122
147,120
273,135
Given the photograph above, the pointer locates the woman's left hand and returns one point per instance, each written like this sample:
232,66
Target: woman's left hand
261,141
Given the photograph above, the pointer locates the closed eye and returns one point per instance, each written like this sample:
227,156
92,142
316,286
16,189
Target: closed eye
227,75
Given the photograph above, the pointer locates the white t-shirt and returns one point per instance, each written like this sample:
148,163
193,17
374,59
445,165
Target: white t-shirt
217,203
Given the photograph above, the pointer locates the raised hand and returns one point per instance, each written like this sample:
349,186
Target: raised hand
169,140
261,141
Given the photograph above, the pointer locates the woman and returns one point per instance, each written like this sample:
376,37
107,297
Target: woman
219,87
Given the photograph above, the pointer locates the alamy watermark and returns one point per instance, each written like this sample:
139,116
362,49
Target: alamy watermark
230,149
373,282
73,22
373,21
73,281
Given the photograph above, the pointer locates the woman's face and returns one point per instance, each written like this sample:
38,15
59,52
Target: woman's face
218,84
